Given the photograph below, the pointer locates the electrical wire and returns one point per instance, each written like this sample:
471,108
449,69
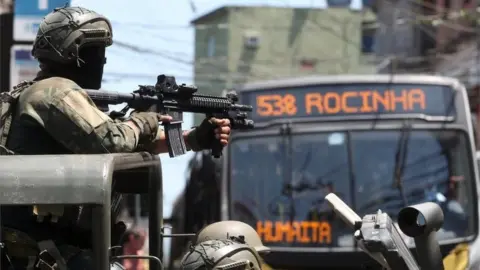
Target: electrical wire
441,17
418,20
217,67
326,29
258,65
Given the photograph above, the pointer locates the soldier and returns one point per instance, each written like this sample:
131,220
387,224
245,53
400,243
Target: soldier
54,115
221,254
232,230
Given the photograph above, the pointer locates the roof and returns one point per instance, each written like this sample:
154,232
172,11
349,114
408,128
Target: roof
221,9
347,78
210,14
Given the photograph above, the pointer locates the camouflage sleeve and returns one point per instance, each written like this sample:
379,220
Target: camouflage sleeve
92,130
71,117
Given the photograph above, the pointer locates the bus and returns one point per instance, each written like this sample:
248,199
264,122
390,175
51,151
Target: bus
377,141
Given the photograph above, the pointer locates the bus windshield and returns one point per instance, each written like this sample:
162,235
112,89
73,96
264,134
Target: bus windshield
278,183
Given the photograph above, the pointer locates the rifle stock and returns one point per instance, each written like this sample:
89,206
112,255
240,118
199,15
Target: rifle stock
166,97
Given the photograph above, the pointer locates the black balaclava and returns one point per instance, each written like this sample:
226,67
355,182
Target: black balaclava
86,71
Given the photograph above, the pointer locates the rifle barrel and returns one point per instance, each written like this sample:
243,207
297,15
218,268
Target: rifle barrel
109,97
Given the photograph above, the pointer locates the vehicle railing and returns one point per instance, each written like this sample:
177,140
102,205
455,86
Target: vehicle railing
87,180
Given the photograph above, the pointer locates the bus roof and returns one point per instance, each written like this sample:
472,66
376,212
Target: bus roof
339,79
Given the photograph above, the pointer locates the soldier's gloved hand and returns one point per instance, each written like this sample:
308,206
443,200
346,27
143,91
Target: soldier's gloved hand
148,123
202,137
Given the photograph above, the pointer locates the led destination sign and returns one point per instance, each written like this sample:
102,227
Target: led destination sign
305,232
348,99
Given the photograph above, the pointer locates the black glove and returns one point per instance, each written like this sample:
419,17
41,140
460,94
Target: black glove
148,124
202,137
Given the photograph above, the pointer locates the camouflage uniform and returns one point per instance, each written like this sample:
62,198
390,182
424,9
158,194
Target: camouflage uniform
57,112
54,115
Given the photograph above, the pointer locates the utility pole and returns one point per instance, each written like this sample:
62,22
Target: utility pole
6,42
477,68
345,63
393,45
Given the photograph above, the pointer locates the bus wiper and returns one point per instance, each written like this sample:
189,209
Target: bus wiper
300,186
400,160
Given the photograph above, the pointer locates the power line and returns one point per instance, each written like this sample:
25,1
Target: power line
216,66
196,76
439,18
157,26
376,25
157,60
145,50
211,62
268,64
117,77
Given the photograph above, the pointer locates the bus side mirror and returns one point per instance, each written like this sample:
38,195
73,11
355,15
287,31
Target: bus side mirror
422,221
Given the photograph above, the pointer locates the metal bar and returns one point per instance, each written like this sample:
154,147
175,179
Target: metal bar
477,67
155,220
101,236
137,210
6,42
178,235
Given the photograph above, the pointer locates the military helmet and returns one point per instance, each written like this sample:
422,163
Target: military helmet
64,31
221,255
229,229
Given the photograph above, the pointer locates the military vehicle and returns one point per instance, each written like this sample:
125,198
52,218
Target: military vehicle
97,182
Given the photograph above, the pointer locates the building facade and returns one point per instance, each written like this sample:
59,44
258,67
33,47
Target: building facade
438,36
238,44
404,39
427,36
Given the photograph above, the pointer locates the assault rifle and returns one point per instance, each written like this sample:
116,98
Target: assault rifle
166,97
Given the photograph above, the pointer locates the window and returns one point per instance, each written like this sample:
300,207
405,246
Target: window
308,64
368,37
427,42
338,3
368,3
211,46
252,42
265,187
367,44
278,179
251,39
435,169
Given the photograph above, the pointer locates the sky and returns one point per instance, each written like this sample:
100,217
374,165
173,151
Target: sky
161,26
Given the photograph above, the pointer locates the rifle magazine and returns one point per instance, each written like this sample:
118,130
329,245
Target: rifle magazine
175,143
